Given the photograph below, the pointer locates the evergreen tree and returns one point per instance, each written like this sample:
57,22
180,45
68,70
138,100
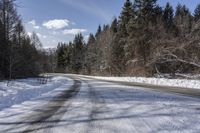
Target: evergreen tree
98,31
28,61
145,10
120,38
91,40
197,13
91,55
168,16
114,26
183,20
140,30
60,56
125,16
78,54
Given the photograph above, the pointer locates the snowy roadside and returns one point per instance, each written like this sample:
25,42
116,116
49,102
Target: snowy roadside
21,90
182,83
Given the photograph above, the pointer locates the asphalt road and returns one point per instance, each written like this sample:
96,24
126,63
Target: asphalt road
93,106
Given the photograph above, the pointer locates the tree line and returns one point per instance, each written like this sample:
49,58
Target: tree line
144,40
21,55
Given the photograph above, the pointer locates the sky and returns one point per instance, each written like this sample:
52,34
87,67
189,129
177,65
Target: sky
59,20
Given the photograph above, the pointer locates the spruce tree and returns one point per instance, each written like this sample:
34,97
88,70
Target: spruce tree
197,13
91,54
140,33
125,17
78,53
114,26
99,30
121,36
145,9
168,16
183,20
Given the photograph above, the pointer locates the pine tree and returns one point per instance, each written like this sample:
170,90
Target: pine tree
125,16
98,31
91,55
28,61
145,9
60,53
168,16
183,20
197,13
114,26
78,54
119,40
140,30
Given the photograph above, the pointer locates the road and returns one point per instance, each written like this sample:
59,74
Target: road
92,106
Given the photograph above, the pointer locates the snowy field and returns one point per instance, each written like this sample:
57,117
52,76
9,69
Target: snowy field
18,91
183,83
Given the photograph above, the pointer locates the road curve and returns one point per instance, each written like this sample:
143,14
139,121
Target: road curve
179,90
93,106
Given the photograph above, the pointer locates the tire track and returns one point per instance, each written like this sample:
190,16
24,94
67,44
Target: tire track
98,103
43,120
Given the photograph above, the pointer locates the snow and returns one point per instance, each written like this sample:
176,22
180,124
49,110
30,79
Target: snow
120,109
101,107
183,83
17,91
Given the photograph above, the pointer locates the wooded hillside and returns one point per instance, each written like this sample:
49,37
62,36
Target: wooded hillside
144,40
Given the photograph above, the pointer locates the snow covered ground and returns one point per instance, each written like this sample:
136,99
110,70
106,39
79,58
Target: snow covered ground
184,83
102,107
18,91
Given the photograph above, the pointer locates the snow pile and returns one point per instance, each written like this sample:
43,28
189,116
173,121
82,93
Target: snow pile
21,90
184,83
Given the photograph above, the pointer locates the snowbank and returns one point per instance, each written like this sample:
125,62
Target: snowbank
21,90
183,83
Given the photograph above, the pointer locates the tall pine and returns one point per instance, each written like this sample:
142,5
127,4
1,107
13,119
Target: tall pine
120,40
168,15
197,13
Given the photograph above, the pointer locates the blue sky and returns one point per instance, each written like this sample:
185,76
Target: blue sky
59,20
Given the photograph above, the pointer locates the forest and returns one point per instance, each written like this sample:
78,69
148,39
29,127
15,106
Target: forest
20,55
145,40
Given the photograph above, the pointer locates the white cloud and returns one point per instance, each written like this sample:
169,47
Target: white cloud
36,27
41,36
54,33
32,22
56,24
73,31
